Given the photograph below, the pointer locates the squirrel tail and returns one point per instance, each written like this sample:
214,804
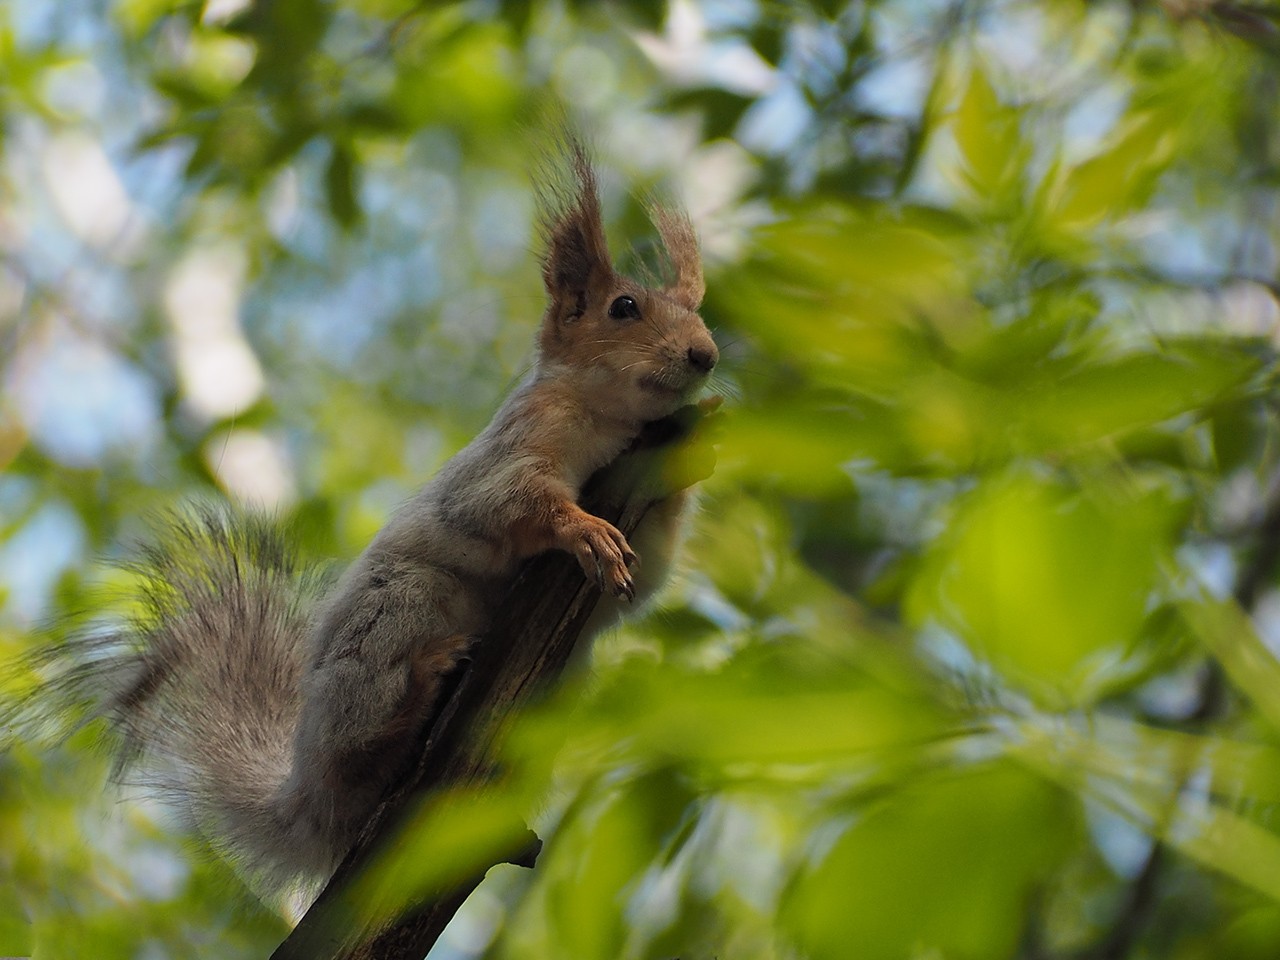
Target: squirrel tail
202,687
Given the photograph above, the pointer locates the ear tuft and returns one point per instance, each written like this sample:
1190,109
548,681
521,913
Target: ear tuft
681,242
572,227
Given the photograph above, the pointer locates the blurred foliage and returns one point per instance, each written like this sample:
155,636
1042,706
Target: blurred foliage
975,653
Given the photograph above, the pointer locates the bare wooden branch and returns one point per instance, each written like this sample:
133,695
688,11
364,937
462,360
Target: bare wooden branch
529,645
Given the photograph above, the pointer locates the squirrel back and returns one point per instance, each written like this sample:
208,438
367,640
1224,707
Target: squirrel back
275,710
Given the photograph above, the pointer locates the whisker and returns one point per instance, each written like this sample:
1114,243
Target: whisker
729,391
599,356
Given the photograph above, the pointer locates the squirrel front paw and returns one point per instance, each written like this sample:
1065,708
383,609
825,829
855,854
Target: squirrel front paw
604,555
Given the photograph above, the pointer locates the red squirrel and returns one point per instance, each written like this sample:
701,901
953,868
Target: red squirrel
275,711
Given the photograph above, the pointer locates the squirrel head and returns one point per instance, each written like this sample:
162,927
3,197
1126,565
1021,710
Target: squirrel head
642,351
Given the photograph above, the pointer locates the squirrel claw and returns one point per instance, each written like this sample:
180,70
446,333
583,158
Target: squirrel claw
619,585
627,589
604,555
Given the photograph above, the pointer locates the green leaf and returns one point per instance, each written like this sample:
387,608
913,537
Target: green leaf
286,35
451,838
799,451
1114,396
1120,178
989,137
721,109
1235,434
768,38
1228,633
375,117
1047,580
1135,755
607,847
518,13
646,13
340,185
942,867
1250,936
1206,831
1014,354
15,927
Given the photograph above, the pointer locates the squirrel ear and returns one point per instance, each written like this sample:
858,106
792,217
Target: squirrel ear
576,251
681,242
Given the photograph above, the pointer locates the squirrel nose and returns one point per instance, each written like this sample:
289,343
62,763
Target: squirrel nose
704,358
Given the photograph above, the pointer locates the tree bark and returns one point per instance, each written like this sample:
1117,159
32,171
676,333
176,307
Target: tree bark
528,646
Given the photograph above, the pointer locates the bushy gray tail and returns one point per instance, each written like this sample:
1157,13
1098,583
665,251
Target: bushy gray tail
202,687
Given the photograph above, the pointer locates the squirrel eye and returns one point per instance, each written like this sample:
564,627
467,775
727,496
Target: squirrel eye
624,308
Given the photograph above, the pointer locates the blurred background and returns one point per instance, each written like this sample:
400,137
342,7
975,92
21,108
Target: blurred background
974,652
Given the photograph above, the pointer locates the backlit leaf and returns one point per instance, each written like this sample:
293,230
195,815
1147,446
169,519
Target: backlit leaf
1047,580
941,867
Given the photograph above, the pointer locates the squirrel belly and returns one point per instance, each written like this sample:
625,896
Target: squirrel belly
274,709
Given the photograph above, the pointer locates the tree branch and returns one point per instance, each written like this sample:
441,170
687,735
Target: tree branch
529,644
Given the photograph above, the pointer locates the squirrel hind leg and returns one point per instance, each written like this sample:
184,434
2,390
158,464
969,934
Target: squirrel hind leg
430,664
387,757
340,776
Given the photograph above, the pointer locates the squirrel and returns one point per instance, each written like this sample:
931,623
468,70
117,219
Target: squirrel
274,711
